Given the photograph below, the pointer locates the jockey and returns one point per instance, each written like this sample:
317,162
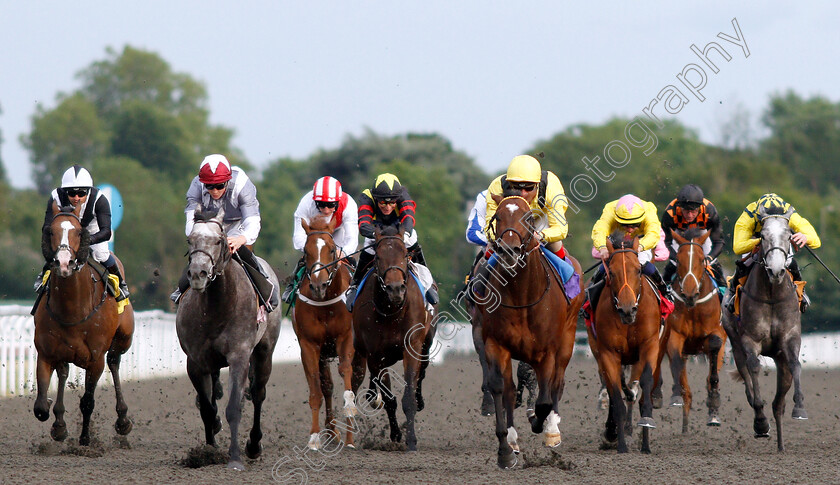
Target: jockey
388,204
327,200
475,222
77,190
747,236
544,193
218,184
636,218
692,210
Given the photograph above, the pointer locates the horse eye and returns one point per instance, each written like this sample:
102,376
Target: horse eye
218,241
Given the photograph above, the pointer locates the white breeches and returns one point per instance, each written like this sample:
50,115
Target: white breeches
410,239
645,256
100,250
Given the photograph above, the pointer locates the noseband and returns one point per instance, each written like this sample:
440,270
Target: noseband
624,270
786,252
691,264
214,272
380,275
77,265
523,242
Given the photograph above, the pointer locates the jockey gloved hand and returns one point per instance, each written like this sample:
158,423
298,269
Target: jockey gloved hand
235,242
605,254
799,239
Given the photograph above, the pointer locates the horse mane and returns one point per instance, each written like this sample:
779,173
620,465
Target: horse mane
618,240
319,223
204,215
692,232
510,192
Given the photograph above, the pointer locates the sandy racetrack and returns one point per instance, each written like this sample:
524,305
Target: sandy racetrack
455,443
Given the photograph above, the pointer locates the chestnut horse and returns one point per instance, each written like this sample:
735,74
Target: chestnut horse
528,318
77,322
324,327
625,331
770,324
695,324
391,323
218,326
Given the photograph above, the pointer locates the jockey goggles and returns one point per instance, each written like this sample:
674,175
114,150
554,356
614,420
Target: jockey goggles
386,201
76,192
326,205
526,186
215,186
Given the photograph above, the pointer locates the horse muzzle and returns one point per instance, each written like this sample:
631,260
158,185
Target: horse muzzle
395,293
66,264
627,315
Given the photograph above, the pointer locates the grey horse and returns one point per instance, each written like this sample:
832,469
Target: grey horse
769,325
217,324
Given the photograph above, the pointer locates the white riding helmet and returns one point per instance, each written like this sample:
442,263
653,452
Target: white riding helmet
76,176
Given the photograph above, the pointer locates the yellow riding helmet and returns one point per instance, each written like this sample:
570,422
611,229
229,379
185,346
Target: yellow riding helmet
629,210
524,168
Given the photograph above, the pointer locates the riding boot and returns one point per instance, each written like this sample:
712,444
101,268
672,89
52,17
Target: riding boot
670,271
39,283
593,292
365,260
797,276
417,255
183,284
741,270
293,281
478,282
664,288
262,283
115,270
717,272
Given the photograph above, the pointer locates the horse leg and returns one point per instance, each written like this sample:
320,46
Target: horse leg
310,356
217,390
346,357
261,368
486,396
545,404
59,427
380,382
714,345
424,363
327,391
611,373
499,371
87,402
792,356
553,438
203,385
760,425
43,376
233,411
526,379
686,395
783,382
411,372
123,425
675,358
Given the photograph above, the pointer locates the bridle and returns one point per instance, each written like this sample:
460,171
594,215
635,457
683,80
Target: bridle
77,265
224,255
637,293
788,255
380,275
524,243
332,269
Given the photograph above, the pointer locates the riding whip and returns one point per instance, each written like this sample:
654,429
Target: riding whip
823,264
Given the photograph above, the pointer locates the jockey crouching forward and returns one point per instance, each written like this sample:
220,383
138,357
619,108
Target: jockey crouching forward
327,200
77,190
692,210
545,195
747,236
636,218
218,184
388,204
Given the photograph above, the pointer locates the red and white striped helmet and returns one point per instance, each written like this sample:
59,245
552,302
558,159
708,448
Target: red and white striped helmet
326,189
214,169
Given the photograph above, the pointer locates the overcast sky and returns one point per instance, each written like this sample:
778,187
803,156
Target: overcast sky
492,77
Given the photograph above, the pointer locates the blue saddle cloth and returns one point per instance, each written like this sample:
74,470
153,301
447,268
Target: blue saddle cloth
370,270
571,279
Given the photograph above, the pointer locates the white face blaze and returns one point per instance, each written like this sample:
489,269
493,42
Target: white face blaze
320,243
511,207
64,254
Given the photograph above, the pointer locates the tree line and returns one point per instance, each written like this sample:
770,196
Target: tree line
141,126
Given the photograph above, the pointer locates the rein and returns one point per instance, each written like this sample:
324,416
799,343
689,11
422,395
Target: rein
214,271
380,278
64,323
331,275
624,272
699,282
547,272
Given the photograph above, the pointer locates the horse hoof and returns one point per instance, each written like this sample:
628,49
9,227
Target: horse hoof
553,440
42,414
58,432
677,402
123,426
252,451
314,442
799,413
762,435
236,465
84,440
350,411
350,446
421,404
217,426
487,406
646,423
507,461
713,421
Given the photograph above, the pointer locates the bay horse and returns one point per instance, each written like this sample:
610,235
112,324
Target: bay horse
77,322
769,324
218,326
530,319
695,324
391,323
626,332
324,327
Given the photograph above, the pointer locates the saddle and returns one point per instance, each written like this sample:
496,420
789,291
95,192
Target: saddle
799,285
112,285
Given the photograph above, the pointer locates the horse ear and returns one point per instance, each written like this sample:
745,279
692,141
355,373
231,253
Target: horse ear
220,216
610,246
789,212
703,238
678,237
55,208
497,198
377,233
636,243
304,225
331,224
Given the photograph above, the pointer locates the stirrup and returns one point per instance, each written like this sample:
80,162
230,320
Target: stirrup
432,296
287,294
123,292
804,303
350,297
175,296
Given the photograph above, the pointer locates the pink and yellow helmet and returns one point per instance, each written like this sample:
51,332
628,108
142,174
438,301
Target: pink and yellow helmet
629,209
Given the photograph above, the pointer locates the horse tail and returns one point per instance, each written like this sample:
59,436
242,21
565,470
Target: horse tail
736,376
